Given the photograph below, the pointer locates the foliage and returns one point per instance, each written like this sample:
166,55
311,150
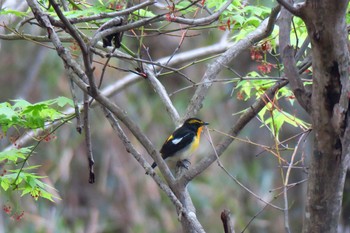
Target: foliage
23,116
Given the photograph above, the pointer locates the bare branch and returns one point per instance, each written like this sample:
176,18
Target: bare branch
79,126
83,46
112,14
295,11
227,221
139,158
164,96
101,34
289,63
203,21
87,135
23,36
236,180
285,186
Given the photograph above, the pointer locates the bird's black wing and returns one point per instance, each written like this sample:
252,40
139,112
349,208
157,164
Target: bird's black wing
178,141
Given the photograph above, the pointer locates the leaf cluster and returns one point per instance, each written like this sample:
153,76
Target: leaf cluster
22,115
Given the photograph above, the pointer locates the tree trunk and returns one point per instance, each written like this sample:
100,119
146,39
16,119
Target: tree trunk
326,25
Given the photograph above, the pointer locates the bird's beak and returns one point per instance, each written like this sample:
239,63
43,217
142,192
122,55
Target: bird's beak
205,123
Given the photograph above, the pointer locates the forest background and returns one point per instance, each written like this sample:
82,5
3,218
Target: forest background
225,66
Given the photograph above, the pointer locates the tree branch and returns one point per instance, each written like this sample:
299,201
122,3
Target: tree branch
87,58
112,14
24,36
294,10
290,69
139,158
89,154
196,22
227,221
203,21
164,96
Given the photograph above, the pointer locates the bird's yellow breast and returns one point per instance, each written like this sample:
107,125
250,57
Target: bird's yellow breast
195,143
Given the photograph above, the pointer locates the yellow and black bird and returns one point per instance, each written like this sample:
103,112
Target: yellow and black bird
183,141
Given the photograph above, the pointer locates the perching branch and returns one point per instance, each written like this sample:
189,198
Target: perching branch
139,158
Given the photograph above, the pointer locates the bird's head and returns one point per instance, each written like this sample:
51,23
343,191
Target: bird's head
195,123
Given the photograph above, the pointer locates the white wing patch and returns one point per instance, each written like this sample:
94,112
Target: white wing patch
177,140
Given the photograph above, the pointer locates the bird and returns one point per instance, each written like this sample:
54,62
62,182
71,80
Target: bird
183,141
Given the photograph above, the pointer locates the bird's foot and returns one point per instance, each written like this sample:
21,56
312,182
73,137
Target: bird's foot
183,164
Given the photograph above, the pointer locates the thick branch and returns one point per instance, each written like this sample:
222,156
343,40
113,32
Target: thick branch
139,158
289,63
294,10
227,221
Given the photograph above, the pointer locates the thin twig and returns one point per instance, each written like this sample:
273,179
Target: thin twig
285,192
164,96
84,47
236,180
79,126
61,123
254,217
89,153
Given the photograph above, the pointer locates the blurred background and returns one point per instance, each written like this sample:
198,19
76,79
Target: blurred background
124,199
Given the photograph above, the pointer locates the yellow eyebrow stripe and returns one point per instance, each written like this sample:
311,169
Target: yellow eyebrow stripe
195,121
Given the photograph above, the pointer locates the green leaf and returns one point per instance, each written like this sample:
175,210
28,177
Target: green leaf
20,104
20,14
6,112
63,101
5,183
15,154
